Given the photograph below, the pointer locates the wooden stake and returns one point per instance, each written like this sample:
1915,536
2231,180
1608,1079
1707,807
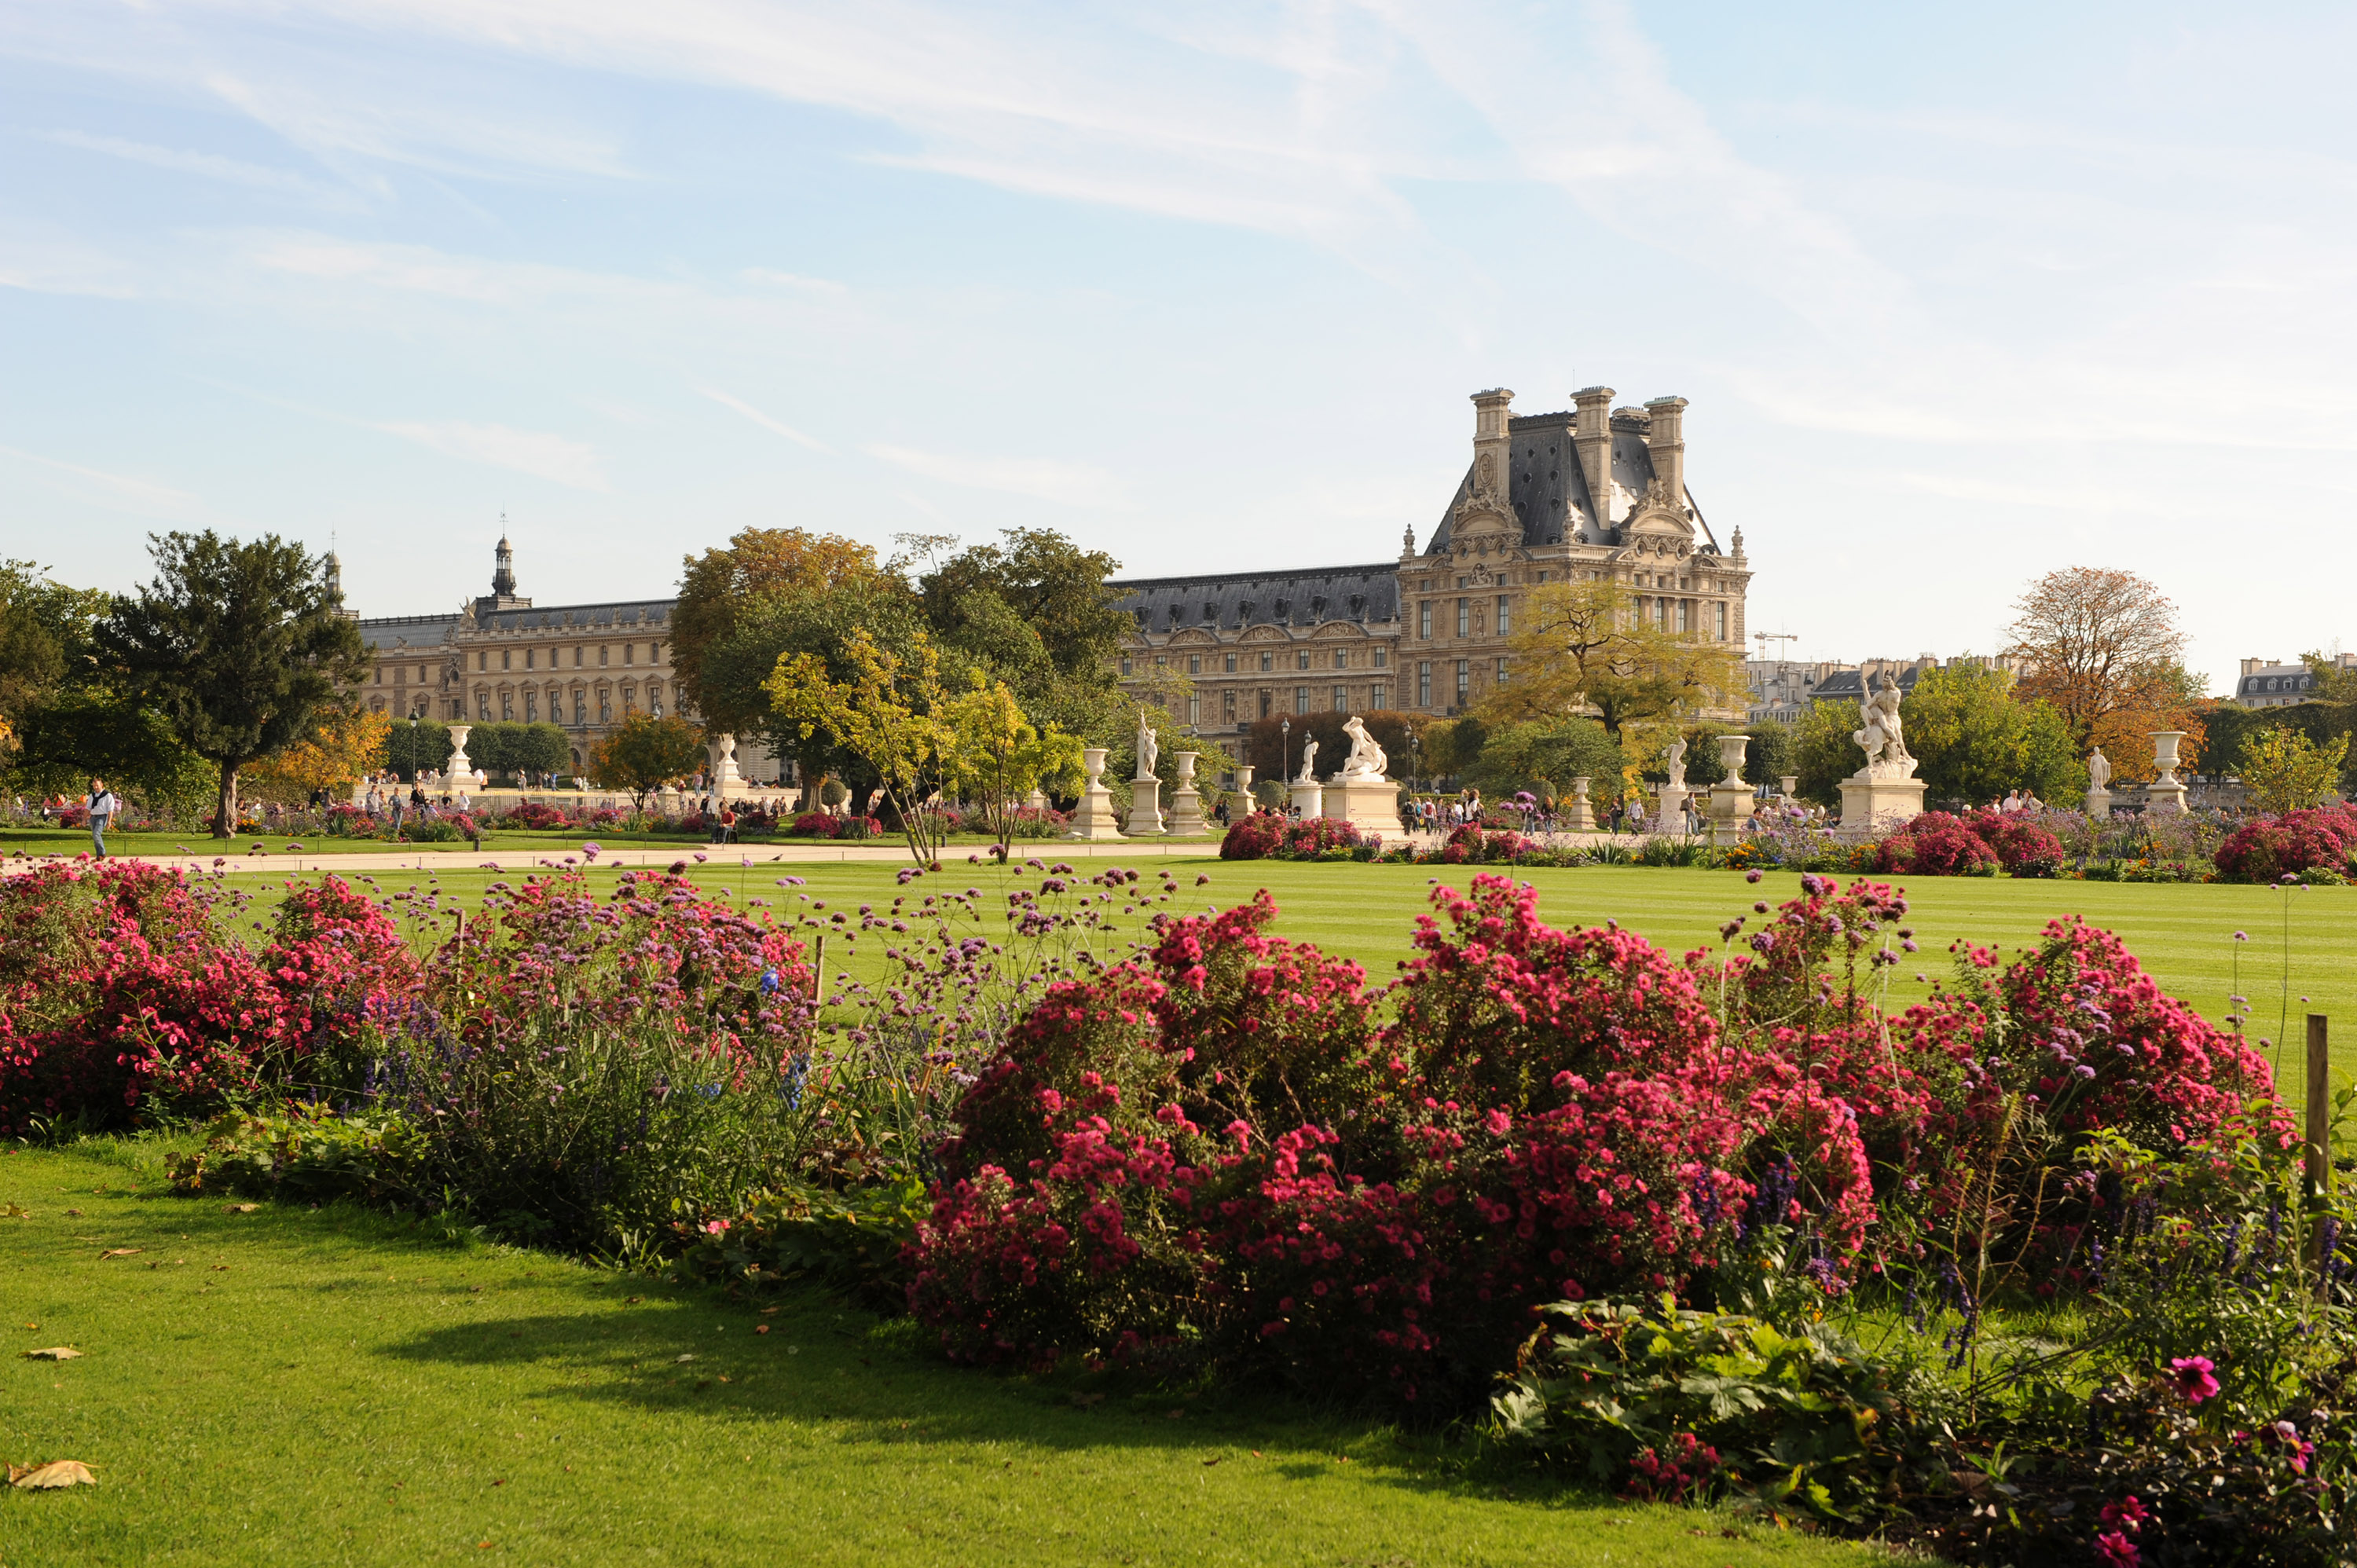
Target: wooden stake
2319,1108
818,970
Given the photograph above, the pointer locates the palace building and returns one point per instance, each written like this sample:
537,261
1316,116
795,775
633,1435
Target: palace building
1590,492
500,658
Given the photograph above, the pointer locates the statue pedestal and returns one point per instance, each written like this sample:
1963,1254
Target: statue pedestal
1146,808
2164,798
1579,813
1092,817
1732,801
1186,801
1308,798
1670,809
1879,798
1368,802
2099,804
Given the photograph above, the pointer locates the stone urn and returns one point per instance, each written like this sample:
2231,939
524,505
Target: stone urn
1731,800
2166,793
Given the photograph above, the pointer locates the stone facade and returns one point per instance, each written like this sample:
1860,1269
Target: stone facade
1573,496
500,659
2264,683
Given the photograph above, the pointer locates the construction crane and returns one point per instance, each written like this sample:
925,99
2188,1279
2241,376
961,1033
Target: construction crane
1764,638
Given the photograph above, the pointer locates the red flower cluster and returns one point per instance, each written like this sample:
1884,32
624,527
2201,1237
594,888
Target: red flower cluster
1470,844
118,985
1266,835
2286,845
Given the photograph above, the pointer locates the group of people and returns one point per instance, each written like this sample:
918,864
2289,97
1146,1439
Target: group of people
2019,800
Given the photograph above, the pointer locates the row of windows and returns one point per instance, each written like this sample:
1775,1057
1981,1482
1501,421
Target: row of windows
532,659
1379,659
557,714
1467,616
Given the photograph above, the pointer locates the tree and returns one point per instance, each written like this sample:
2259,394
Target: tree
2105,649
888,714
344,744
1583,648
420,747
643,753
721,589
1000,757
238,646
1544,756
1052,586
1823,753
518,750
1976,738
1775,754
2286,771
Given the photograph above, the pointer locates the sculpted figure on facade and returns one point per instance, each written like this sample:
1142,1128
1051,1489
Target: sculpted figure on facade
1367,759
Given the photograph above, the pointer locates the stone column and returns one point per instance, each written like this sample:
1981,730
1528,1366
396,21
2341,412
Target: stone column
1579,815
1186,801
2166,793
1094,818
1670,808
1308,798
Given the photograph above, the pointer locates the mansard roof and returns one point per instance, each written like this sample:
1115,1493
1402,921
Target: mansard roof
1305,598
1548,491
382,633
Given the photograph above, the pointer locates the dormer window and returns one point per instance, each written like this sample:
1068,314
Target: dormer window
1284,608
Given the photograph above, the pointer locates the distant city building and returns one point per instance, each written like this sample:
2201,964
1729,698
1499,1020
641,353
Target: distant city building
1586,494
500,659
2265,685
1783,690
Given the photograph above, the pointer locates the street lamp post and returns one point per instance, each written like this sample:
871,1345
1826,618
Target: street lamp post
1284,750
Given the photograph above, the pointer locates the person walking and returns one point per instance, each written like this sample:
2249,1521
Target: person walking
100,804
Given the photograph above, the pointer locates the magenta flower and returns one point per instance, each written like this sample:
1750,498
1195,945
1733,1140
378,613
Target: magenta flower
2193,1379
589,851
2129,1512
2116,1550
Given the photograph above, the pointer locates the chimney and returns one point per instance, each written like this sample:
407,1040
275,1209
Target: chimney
1592,437
2250,665
1668,448
1492,449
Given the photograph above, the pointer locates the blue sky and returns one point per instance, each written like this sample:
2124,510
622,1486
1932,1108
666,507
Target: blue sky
1957,295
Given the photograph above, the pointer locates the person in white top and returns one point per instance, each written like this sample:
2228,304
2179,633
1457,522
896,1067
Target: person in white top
101,804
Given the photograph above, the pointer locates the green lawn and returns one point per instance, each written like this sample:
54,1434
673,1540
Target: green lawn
2301,956
299,1386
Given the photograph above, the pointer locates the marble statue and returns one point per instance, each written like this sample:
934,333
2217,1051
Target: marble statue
1367,760
1883,738
1148,748
1678,763
1308,762
2099,770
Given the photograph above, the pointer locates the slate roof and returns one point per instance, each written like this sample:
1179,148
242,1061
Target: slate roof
1849,685
383,633
2275,681
1549,492
1364,596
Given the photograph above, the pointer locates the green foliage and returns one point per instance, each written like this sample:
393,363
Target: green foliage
236,645
77,733
850,1242
819,624
514,748
1977,740
1773,755
1823,753
1034,596
423,747
1799,1421
1544,756
2286,771
644,753
305,1153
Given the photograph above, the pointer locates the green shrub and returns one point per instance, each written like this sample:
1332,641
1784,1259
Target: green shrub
377,1157
850,1242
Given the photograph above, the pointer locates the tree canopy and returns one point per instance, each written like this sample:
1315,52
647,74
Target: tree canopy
758,570
644,753
1584,648
238,646
1977,738
2103,647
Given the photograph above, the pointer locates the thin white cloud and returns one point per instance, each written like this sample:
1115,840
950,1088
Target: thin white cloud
794,280
180,160
776,426
120,493
544,456
1041,479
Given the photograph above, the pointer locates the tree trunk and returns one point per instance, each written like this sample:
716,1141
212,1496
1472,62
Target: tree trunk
225,824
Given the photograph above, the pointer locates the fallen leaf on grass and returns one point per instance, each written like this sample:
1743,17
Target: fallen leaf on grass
120,1252
54,1353
768,1311
761,1328
73,1213
1212,1460
632,1300
15,1211
240,1207
57,1472
686,1358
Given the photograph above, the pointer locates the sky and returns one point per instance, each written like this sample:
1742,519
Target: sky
1958,296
